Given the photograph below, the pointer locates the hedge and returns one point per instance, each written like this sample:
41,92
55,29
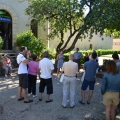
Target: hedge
99,52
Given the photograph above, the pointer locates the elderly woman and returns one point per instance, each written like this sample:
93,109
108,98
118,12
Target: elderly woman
110,89
7,65
70,69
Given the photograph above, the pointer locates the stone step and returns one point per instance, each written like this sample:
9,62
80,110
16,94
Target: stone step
7,51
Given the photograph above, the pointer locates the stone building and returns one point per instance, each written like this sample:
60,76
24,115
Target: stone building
14,21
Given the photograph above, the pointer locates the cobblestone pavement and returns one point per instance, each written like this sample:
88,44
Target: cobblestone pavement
11,109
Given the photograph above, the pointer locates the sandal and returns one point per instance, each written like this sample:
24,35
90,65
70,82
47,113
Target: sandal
29,101
80,101
88,102
22,98
50,100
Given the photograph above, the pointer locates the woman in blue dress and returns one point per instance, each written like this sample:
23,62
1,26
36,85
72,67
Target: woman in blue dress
60,58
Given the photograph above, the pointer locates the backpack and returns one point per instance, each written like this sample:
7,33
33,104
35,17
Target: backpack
15,64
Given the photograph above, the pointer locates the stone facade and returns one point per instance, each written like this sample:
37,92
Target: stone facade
19,24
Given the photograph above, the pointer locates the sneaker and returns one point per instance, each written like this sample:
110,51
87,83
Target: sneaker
6,76
29,94
34,96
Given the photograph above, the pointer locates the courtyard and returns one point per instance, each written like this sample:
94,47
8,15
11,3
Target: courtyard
11,109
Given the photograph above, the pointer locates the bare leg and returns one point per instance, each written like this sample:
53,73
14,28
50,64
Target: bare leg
83,95
108,112
90,95
40,95
48,97
25,94
19,92
113,112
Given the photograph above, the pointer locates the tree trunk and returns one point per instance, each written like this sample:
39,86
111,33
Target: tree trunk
55,65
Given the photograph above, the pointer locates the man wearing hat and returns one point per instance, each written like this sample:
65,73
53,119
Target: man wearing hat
46,69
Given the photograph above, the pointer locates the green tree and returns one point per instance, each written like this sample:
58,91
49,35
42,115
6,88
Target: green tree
68,15
28,39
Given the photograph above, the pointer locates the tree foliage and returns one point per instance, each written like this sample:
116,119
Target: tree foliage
28,39
1,43
68,15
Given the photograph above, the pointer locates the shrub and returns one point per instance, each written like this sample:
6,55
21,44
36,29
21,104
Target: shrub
1,43
31,42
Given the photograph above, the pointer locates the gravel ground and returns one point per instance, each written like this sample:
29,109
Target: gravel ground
11,109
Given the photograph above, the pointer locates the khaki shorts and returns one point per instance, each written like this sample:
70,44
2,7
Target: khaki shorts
111,98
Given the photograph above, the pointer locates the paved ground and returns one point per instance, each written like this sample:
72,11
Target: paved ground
11,109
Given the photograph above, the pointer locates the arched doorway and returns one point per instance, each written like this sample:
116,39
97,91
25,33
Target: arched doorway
6,29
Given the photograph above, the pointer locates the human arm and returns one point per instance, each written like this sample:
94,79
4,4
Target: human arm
51,67
103,84
57,58
81,55
84,66
26,61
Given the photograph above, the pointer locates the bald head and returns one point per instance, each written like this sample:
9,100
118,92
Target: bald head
71,57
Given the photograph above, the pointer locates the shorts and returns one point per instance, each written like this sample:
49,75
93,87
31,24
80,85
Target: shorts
111,98
23,80
48,84
87,83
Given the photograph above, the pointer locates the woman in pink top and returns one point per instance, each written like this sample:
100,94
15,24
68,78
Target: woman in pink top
33,70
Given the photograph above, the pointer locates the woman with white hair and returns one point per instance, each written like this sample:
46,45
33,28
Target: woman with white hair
7,65
70,69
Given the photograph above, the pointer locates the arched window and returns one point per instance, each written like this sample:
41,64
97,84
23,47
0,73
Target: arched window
34,27
6,29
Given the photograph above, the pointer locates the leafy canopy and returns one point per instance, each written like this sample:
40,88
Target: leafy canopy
68,16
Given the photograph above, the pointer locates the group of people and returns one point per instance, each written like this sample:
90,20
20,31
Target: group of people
110,86
77,58
29,69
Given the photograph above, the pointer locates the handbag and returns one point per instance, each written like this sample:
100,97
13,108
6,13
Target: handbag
82,78
62,78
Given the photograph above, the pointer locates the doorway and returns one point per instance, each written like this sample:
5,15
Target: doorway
6,29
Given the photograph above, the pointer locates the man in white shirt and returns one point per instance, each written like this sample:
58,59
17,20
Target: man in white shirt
23,75
46,69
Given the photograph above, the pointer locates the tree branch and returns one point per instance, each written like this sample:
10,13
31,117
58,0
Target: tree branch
68,40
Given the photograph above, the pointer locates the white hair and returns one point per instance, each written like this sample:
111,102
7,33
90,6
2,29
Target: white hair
71,57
